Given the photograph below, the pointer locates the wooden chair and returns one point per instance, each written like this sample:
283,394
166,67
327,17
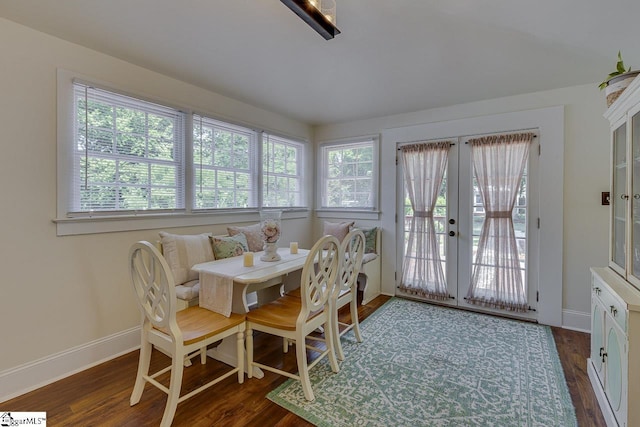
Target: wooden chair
295,318
178,334
346,289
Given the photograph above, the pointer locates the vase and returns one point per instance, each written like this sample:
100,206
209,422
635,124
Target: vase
270,222
617,84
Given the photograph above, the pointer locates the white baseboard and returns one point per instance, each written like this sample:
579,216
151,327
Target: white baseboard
30,376
576,320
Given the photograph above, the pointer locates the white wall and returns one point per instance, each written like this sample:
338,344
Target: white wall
586,175
61,293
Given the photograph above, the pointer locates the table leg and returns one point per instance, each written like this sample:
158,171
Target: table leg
226,351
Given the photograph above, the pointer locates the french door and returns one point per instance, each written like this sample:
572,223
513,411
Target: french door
457,219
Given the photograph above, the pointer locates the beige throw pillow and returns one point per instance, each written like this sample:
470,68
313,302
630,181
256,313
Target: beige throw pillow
252,233
184,251
337,229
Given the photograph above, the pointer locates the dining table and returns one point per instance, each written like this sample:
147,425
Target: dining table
225,284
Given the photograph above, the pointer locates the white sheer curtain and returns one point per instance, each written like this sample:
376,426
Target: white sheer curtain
424,165
498,163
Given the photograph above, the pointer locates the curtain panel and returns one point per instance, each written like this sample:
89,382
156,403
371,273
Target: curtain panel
424,165
497,278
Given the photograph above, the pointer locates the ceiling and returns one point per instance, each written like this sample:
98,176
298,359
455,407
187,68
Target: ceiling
393,56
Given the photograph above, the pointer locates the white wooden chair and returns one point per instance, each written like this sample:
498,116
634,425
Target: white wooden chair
295,318
177,334
346,289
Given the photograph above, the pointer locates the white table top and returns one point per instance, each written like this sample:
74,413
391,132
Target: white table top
261,271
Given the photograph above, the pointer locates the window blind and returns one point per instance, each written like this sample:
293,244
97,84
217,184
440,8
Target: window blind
225,165
282,172
128,154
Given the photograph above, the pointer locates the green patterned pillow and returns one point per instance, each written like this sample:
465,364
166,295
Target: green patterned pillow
226,247
369,239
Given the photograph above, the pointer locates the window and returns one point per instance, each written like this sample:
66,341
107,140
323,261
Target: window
224,160
131,163
349,175
128,154
282,174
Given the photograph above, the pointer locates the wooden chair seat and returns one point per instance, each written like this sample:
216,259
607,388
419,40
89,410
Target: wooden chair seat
197,324
295,293
280,314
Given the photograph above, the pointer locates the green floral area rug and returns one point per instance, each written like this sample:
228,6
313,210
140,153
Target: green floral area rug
425,365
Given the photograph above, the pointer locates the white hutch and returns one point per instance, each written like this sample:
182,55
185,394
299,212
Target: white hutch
614,365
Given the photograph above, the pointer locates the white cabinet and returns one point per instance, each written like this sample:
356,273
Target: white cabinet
614,365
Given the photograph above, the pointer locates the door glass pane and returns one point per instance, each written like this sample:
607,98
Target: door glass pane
635,190
619,194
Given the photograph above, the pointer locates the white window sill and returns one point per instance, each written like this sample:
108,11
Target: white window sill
348,214
110,224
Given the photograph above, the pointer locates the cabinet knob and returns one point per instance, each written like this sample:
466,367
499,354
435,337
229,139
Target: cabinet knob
614,310
601,351
596,291
452,233
624,196
636,196
604,357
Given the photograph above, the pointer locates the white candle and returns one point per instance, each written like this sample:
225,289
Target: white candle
293,247
248,259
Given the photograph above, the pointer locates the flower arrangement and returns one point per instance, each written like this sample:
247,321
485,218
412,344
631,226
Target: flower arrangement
271,230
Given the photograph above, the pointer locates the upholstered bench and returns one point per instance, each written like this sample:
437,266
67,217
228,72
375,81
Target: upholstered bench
183,251
369,277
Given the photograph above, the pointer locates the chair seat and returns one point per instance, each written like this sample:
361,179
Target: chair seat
295,293
281,313
197,323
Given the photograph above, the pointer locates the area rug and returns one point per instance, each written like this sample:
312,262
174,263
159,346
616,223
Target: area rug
425,365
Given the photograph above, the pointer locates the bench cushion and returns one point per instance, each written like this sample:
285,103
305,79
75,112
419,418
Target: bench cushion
369,257
189,290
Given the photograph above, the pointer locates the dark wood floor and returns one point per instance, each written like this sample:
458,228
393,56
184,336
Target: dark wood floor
100,396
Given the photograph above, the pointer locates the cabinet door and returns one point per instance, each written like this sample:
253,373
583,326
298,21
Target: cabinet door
619,198
597,337
634,256
616,370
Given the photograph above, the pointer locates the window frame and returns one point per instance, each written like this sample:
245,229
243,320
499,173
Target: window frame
300,162
103,222
368,212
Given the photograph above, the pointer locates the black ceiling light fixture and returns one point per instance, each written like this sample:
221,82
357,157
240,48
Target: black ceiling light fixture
319,14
